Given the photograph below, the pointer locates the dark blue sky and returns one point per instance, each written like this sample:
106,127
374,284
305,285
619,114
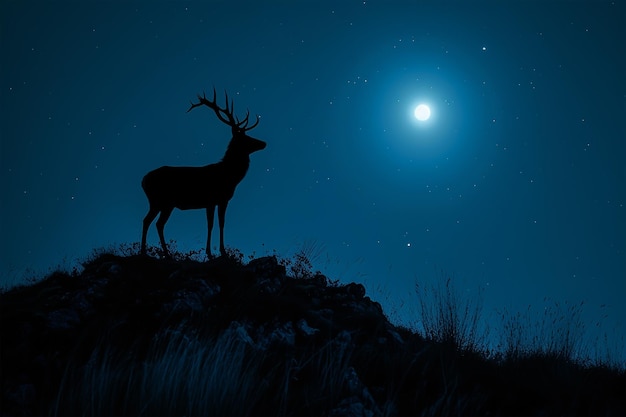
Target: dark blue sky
516,184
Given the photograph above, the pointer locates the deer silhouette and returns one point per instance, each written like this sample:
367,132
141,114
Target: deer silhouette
204,187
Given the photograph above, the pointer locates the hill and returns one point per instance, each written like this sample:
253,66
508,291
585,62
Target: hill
135,335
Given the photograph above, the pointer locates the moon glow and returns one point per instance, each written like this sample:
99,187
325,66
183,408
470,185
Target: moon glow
422,112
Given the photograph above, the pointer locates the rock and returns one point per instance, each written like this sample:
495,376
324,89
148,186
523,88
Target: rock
269,274
365,307
186,302
269,285
344,338
80,303
354,386
192,299
274,333
96,288
351,407
284,335
320,280
62,319
322,318
356,290
358,400
109,268
239,331
267,266
396,336
304,328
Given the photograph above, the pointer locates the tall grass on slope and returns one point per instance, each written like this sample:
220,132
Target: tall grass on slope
182,375
445,317
313,381
558,331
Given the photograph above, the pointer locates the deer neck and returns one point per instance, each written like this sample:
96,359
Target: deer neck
236,164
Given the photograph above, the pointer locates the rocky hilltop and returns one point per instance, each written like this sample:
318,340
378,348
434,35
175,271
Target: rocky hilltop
135,335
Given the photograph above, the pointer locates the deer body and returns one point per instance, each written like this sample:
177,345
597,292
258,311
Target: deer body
205,187
167,186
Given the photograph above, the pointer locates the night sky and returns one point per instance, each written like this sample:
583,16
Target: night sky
516,184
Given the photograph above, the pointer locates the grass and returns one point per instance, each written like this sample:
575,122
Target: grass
186,374
445,317
557,332
181,375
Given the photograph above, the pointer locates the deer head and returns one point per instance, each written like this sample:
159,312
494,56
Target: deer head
241,142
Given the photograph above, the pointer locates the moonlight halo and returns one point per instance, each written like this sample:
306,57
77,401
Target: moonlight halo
422,112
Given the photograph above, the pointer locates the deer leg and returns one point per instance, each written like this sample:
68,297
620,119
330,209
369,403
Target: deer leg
165,214
221,214
210,215
147,221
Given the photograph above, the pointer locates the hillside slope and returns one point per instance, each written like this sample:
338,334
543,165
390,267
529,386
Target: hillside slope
142,336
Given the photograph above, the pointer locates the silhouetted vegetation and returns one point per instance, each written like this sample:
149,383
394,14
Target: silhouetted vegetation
138,335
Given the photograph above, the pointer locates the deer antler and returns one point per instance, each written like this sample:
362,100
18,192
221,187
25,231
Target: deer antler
244,122
226,114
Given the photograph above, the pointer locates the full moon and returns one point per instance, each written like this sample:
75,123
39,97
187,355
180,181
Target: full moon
422,112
